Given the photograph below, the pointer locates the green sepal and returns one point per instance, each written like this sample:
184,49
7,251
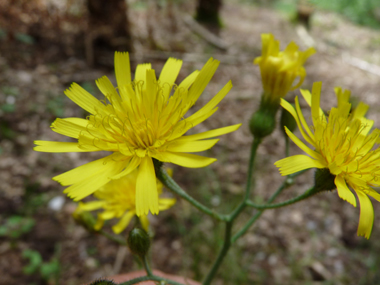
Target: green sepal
138,242
324,180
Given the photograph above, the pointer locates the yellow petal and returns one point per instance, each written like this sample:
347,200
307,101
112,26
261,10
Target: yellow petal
84,99
302,146
93,181
169,74
123,222
144,222
132,165
315,99
360,110
192,146
166,203
186,159
122,69
108,90
107,215
151,90
366,215
303,121
213,102
91,206
287,106
83,172
99,223
140,73
209,134
373,194
203,79
146,188
50,146
297,163
185,125
71,127
343,191
186,83
307,96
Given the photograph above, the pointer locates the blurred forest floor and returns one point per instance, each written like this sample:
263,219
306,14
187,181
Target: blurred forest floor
312,242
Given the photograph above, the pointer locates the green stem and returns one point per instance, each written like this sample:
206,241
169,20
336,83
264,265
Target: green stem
231,217
150,278
164,177
113,238
243,204
310,192
222,254
287,182
146,266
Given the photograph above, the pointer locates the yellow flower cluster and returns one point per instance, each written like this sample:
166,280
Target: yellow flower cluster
343,143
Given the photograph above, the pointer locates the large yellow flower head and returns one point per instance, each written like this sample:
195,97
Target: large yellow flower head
341,143
139,121
279,69
118,200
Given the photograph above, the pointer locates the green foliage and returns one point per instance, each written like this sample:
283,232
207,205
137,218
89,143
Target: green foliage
10,90
47,270
32,199
8,108
50,269
362,12
24,38
35,261
16,226
89,87
55,106
5,129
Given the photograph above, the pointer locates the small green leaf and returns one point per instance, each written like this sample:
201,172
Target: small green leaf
35,261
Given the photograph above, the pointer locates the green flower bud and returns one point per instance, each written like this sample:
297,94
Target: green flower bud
324,180
138,242
288,121
262,122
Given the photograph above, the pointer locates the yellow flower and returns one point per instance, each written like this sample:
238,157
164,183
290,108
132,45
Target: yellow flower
280,69
118,199
341,143
139,120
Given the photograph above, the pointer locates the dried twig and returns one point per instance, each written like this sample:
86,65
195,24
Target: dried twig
204,33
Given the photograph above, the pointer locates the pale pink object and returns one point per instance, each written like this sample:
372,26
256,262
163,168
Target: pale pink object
129,276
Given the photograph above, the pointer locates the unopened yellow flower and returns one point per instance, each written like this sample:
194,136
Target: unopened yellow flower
139,120
279,69
118,200
341,143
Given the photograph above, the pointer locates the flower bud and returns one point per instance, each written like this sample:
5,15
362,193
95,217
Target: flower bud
138,242
262,122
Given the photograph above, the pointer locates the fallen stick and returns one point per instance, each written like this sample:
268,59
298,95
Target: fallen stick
204,33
